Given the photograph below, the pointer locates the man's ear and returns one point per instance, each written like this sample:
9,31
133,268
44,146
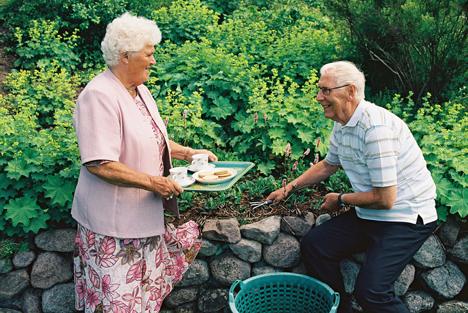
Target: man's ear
352,92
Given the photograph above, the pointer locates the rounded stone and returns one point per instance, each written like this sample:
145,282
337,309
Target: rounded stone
13,283
59,299
196,274
5,265
431,254
180,296
446,281
213,300
50,269
453,307
284,252
227,268
60,240
418,301
23,259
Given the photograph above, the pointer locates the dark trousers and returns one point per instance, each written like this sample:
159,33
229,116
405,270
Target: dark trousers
389,246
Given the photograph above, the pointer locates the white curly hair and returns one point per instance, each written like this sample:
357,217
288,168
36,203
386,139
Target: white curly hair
128,33
346,72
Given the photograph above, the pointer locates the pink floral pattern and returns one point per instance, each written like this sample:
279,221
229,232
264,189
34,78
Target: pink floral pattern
131,275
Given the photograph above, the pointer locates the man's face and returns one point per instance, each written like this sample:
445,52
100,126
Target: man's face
333,103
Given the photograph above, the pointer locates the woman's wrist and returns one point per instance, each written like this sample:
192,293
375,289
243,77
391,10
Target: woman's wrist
188,154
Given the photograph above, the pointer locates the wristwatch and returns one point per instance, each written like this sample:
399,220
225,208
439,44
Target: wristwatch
341,204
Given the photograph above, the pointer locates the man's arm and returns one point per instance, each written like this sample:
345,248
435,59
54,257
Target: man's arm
317,173
379,198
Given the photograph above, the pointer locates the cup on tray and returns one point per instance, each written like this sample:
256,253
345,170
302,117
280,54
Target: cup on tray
199,161
179,174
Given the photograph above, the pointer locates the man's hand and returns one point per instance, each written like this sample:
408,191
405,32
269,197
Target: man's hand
279,194
330,202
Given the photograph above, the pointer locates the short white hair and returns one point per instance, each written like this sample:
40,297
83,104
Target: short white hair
345,72
128,33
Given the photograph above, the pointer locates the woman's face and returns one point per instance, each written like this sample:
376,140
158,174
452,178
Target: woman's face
139,64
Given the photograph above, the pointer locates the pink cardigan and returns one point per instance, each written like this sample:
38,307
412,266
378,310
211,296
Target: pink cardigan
109,126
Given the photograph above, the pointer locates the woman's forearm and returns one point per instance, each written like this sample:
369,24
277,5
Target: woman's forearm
180,152
117,173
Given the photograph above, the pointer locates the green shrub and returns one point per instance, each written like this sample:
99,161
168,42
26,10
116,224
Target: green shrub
41,45
280,112
408,45
440,131
223,80
291,37
85,19
39,164
184,20
41,92
183,116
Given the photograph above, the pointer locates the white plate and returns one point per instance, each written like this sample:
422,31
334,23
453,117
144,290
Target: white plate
187,182
217,181
209,166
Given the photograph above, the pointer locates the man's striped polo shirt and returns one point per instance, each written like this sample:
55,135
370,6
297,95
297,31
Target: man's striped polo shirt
376,149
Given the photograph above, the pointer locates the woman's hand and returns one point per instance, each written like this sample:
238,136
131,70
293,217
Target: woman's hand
211,156
165,186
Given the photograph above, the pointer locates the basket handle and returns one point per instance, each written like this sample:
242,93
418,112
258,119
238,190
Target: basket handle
236,286
336,302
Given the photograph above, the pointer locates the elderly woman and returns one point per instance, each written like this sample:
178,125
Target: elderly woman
126,259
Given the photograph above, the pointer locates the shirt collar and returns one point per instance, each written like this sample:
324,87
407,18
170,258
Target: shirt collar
357,114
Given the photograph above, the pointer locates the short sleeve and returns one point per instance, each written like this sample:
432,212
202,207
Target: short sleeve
381,151
98,127
332,155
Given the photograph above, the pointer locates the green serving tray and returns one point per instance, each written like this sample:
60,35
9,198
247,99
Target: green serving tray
241,167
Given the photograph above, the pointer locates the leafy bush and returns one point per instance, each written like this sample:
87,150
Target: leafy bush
39,163
441,132
41,44
184,20
85,19
280,113
184,122
411,45
290,37
223,80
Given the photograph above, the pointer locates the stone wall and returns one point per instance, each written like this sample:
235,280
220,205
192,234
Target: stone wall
41,280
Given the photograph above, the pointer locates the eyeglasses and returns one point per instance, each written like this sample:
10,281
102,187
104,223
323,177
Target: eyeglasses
326,91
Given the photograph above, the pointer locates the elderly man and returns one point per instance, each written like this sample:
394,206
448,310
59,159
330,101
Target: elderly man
393,194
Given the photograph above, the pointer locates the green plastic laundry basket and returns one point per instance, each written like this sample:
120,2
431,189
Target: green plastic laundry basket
282,293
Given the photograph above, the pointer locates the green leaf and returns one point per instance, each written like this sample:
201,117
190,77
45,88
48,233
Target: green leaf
17,167
442,213
39,222
306,136
458,202
266,167
276,132
444,186
59,190
22,210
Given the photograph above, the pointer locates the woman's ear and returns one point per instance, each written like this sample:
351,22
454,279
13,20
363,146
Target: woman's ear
124,57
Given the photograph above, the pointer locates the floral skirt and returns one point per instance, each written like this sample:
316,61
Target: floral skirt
131,275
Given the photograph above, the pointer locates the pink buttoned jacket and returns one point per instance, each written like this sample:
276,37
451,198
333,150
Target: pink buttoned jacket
109,126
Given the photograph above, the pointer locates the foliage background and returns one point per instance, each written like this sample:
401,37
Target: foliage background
238,77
